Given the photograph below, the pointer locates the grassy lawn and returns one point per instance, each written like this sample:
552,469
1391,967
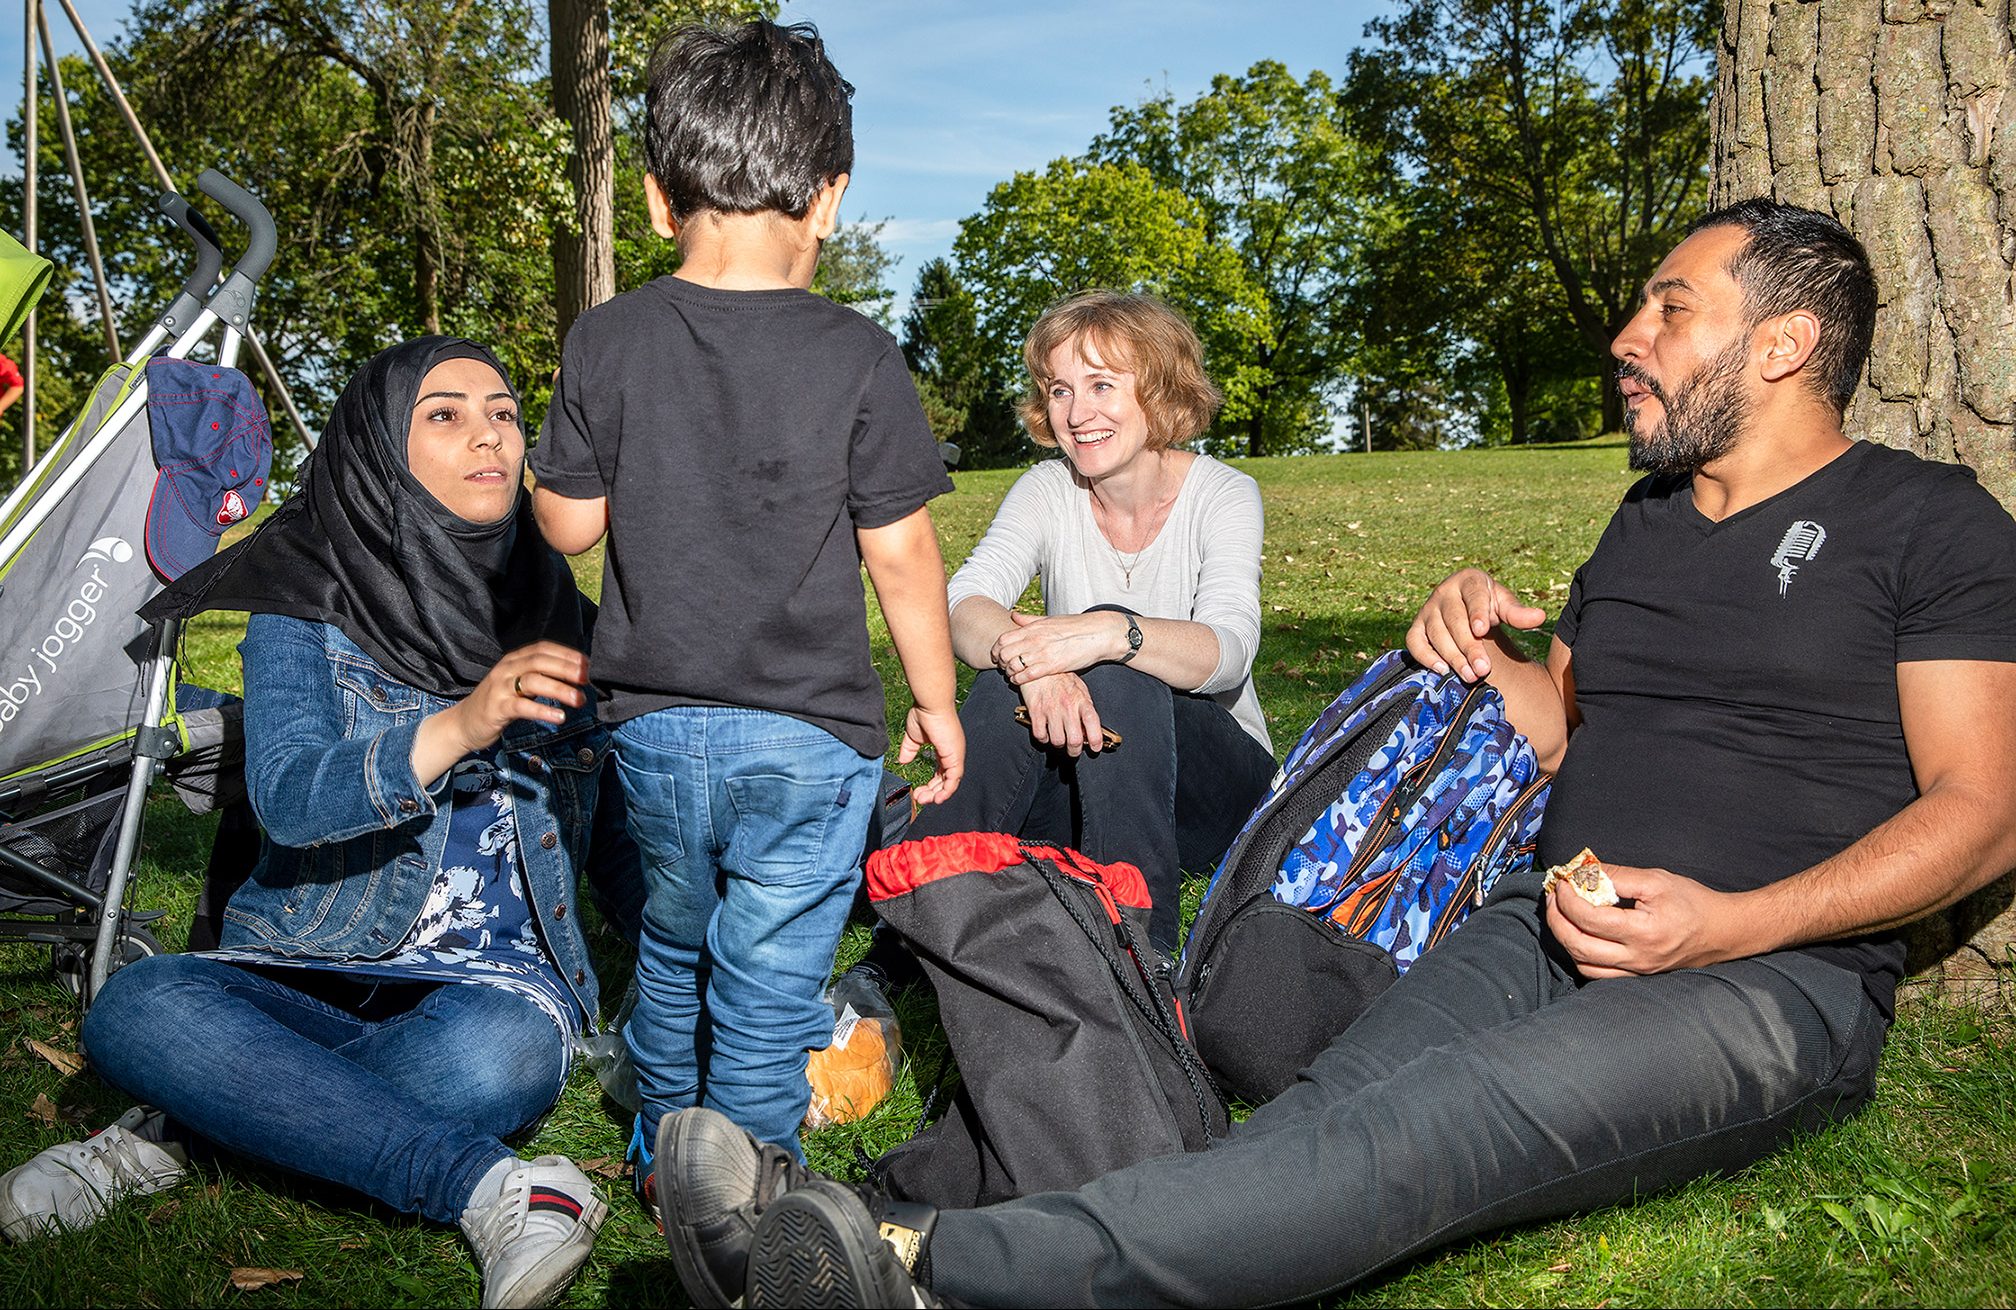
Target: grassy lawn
1910,1204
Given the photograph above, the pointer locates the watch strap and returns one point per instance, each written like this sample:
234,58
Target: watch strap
1133,637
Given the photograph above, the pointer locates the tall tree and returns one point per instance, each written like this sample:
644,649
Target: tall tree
1280,182
955,366
584,250
1585,118
855,270
432,68
1900,119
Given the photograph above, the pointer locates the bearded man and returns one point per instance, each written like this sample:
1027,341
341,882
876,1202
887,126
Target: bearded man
1779,703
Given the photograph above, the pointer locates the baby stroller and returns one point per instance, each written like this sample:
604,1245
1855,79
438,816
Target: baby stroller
90,710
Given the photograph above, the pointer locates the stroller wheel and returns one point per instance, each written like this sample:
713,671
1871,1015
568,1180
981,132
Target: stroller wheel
71,962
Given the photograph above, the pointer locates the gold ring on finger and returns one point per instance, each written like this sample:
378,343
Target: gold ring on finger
517,686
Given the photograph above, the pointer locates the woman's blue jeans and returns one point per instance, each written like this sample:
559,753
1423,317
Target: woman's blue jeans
751,826
408,1108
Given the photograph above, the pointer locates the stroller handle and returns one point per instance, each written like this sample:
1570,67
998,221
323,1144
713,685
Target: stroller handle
209,254
264,238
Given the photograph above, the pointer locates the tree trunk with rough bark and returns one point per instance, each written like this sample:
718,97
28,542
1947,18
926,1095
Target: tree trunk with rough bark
1899,118
584,258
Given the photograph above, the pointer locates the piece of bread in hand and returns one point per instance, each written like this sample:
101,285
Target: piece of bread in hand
1585,877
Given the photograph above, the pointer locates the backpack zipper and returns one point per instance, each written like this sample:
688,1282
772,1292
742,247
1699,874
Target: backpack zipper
1472,885
1412,784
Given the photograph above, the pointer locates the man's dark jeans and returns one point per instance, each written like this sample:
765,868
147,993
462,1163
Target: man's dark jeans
1170,797
1489,1086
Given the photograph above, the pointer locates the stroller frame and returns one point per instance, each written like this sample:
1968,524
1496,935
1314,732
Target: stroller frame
100,917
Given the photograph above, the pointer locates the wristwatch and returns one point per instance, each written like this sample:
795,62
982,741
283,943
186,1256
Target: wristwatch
1133,638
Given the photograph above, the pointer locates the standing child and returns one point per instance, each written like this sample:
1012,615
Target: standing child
747,446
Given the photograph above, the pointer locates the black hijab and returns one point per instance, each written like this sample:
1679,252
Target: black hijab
435,599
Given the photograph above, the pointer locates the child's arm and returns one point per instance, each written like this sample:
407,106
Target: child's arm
570,526
909,576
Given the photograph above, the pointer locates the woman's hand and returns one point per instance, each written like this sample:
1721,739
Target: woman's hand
1061,713
1040,648
511,690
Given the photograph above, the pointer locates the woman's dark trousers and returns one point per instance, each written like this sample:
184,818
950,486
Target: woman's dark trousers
1170,797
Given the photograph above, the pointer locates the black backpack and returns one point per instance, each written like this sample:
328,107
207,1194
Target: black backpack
1072,1056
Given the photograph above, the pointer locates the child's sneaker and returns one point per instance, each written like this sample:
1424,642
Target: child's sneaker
533,1232
643,1172
70,1186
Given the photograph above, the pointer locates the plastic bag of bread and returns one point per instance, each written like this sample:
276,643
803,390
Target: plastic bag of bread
852,1075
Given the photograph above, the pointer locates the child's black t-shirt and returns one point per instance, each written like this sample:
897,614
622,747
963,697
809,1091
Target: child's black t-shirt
740,437
1737,680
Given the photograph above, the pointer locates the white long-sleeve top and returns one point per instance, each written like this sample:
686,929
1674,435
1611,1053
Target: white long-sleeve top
1203,566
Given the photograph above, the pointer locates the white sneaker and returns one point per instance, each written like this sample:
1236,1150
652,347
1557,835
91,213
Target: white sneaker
70,1186
534,1233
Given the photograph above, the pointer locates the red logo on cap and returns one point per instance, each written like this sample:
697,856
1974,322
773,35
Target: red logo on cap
231,510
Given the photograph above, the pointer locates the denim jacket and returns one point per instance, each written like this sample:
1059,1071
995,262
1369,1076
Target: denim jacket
353,839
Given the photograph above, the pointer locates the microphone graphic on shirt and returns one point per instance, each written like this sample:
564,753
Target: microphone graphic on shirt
1802,541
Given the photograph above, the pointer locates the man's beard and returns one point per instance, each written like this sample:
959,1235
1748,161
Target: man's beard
1705,416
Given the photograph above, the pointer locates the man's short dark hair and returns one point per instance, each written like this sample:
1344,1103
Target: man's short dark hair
746,119
1802,259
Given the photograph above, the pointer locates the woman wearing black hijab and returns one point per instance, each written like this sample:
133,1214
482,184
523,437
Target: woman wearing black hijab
402,980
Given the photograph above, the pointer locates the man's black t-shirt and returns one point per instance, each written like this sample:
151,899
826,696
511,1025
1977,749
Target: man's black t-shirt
1737,681
740,437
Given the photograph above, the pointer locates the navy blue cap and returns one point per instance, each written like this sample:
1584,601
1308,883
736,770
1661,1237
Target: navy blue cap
213,446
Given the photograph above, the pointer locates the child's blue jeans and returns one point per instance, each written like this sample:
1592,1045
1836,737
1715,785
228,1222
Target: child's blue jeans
751,826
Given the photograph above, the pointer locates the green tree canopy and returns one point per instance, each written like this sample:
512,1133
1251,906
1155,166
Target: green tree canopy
1283,185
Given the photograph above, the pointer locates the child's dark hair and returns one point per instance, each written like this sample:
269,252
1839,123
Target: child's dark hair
746,119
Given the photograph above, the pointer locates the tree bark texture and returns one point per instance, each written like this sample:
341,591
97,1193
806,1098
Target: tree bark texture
1899,118
584,258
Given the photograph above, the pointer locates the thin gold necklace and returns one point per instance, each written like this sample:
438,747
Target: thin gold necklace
1158,517
1126,564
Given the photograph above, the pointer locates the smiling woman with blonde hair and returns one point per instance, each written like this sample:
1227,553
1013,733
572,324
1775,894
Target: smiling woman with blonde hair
1149,560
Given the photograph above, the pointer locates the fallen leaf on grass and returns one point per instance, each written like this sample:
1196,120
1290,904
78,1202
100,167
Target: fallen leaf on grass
162,1213
354,1244
252,1279
603,1166
44,1109
67,1061
1561,1268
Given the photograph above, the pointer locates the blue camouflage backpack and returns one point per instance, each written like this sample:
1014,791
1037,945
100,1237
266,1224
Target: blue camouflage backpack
1390,820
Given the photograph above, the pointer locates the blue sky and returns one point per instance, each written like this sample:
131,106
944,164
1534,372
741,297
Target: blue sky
953,96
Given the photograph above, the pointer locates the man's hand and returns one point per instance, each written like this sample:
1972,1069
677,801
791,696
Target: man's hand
1061,713
1453,630
1462,628
1672,923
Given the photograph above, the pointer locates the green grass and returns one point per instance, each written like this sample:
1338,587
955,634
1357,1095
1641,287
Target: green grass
1908,1204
